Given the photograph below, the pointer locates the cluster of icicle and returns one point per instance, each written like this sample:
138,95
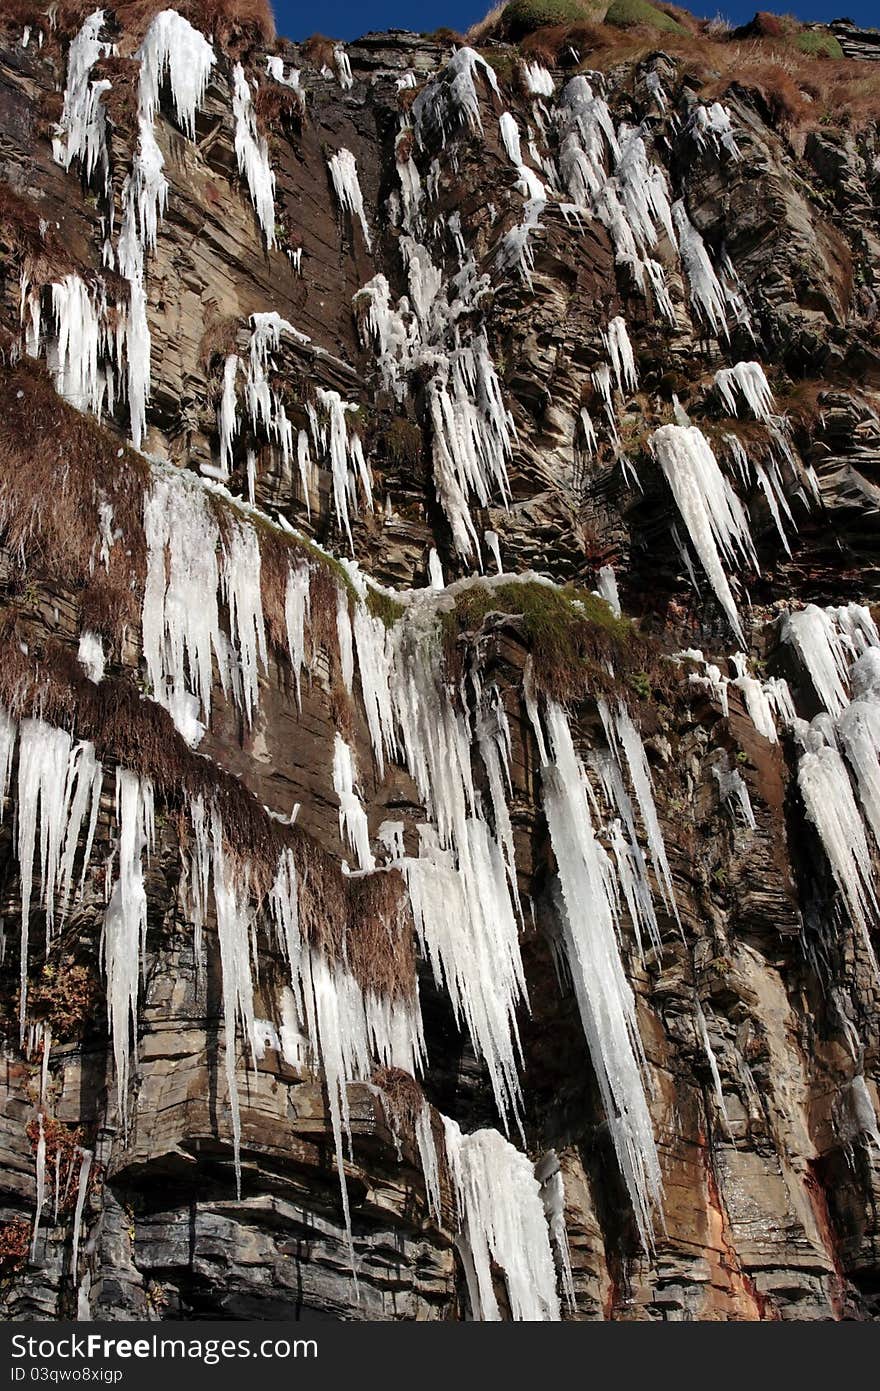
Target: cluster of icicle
839,768
81,356
329,1019
462,882
331,433
838,650
715,519
472,430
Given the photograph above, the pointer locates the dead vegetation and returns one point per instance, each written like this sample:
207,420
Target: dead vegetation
798,76
361,923
56,467
235,25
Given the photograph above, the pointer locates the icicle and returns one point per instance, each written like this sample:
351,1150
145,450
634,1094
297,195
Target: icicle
706,1045
181,618
125,921
429,1161
451,100
297,612
608,589
343,68
710,297
501,1220
435,570
347,462
748,378
538,81
491,540
241,590
716,520
620,351
374,665
44,1069
343,172
83,120
549,1174
353,825
227,414
40,1180
620,727
81,342
252,153
174,48
91,655
233,933
345,637
711,125
85,1169
830,805
732,789
587,914
812,633
43,791
756,701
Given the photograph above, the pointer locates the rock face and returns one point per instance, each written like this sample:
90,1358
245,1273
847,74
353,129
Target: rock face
470,284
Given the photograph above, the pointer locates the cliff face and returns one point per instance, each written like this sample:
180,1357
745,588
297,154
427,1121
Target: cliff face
639,830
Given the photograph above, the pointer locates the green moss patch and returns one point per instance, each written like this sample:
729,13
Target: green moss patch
572,635
523,17
625,14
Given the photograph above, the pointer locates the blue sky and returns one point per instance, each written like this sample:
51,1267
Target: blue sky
342,19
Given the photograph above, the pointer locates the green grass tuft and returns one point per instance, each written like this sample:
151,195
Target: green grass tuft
572,635
522,17
626,13
384,606
818,43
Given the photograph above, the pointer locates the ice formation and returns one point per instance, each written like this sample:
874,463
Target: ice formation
549,1175
78,358
608,589
621,354
252,153
823,651
188,572
711,125
83,124
172,48
831,807
501,1219
715,518
348,466
353,827
125,921
747,379
714,300
587,911
450,100
622,733
343,172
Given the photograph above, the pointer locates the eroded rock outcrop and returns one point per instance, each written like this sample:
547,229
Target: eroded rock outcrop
365,872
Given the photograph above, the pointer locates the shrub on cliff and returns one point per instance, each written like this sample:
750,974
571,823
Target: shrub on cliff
523,17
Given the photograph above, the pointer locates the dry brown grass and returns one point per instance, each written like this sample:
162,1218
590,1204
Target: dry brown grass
40,256
218,340
55,467
318,51
794,89
276,106
380,943
121,101
487,26
236,25
363,922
